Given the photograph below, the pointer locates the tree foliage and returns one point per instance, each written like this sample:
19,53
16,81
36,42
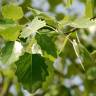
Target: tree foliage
44,55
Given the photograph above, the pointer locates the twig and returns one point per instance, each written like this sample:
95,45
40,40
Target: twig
71,31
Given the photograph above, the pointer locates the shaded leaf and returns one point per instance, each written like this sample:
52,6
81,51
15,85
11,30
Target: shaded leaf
91,73
6,21
46,44
31,71
50,77
87,59
53,4
93,55
90,86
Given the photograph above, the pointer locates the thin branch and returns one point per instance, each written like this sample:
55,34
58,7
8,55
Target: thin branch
71,31
93,18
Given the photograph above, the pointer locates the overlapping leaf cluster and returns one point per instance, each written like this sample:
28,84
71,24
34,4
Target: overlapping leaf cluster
32,49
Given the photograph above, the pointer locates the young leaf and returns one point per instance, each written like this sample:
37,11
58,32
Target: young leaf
12,11
31,71
32,27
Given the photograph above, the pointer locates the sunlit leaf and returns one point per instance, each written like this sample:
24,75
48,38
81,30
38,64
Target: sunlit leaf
49,19
82,23
12,11
32,27
10,32
89,8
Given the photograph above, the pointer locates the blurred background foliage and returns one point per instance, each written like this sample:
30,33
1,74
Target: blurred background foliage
70,79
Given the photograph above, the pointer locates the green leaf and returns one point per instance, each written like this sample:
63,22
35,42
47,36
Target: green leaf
82,23
86,56
46,44
69,3
49,20
34,11
41,15
89,8
6,21
83,55
32,27
93,55
10,53
77,51
10,32
50,77
31,71
12,11
56,2
91,73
